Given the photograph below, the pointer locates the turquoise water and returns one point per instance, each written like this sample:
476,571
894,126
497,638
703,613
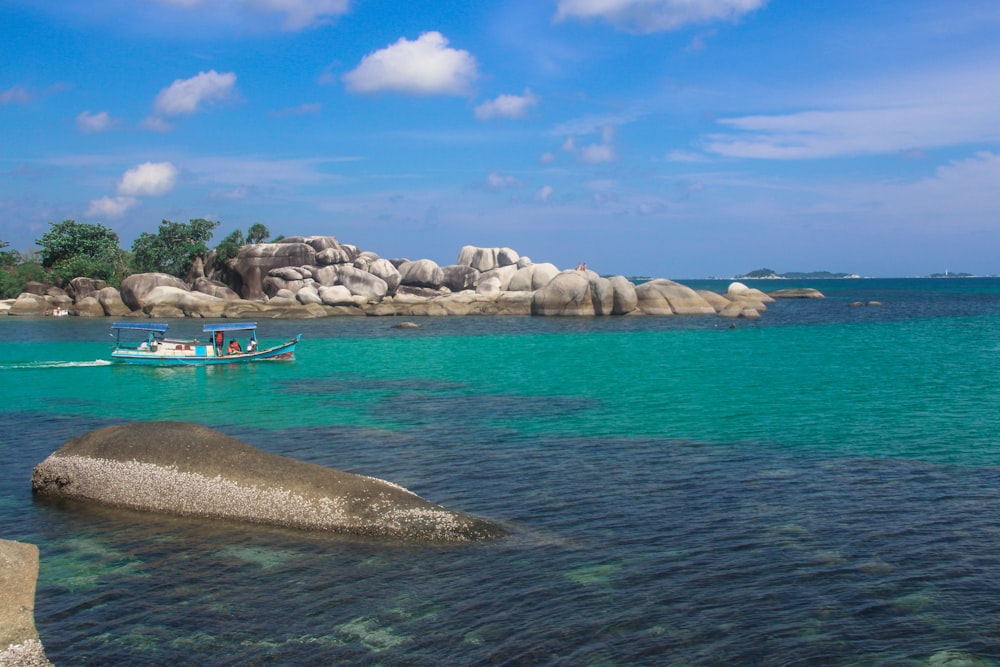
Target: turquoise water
818,487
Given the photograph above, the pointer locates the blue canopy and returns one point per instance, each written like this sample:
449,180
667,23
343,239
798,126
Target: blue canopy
234,326
140,326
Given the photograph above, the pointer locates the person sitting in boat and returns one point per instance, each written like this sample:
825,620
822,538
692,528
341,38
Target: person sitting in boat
234,347
251,346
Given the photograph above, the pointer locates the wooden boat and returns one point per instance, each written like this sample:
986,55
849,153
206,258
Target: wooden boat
146,343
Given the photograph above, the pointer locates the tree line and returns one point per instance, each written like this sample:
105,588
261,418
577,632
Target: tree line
70,249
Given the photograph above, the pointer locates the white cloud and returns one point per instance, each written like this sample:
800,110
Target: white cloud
927,110
543,193
507,106
301,110
186,96
110,207
548,157
89,123
298,14
597,153
150,179
594,153
15,95
496,181
647,16
426,66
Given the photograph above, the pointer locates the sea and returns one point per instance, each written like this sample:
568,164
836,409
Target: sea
817,487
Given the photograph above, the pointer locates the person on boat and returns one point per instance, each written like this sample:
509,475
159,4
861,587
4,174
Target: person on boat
251,346
234,347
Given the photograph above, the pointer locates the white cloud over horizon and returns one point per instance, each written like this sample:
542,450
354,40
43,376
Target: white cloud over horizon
425,66
649,16
110,207
930,109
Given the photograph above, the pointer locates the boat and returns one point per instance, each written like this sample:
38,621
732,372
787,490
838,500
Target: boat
147,343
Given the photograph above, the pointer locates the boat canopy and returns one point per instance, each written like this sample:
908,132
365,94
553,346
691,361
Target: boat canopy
232,326
139,326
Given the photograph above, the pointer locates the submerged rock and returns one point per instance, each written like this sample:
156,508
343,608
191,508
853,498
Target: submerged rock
19,643
189,470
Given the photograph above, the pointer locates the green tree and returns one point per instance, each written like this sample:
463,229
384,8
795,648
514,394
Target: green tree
70,249
15,271
257,233
173,248
229,247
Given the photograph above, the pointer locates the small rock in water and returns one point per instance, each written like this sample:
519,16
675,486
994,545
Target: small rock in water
407,325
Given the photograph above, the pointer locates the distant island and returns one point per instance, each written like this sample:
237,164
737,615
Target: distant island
794,275
952,274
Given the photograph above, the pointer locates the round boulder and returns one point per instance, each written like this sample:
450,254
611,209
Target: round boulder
189,470
136,287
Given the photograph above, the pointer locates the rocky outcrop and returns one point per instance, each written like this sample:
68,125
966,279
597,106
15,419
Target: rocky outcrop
81,287
421,273
19,644
189,470
796,293
486,259
253,262
136,287
666,297
569,293
317,276
738,290
29,304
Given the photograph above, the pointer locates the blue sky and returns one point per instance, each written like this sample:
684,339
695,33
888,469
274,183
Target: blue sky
672,138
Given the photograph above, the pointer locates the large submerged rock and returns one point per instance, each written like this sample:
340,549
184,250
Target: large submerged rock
19,644
189,470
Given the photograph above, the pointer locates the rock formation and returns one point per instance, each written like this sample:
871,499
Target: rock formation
317,276
19,644
189,470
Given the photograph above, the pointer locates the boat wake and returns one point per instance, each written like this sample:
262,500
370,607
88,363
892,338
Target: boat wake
54,364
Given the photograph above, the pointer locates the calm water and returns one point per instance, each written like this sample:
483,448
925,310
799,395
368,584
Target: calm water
819,487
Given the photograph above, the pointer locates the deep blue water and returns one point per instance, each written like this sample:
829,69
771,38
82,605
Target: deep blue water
818,487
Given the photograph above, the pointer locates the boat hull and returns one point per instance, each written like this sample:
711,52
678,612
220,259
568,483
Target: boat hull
283,352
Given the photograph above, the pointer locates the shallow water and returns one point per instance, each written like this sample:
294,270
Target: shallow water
818,487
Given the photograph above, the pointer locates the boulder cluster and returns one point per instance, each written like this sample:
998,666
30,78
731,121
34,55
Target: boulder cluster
317,276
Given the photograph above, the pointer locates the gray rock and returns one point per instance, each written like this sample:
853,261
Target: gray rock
78,288
489,287
421,273
165,301
338,295
569,293
19,643
679,299
361,283
135,287
530,277
714,299
797,293
29,304
189,470
384,269
625,299
254,262
88,307
216,289
738,290
307,295
111,301
486,259
458,277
